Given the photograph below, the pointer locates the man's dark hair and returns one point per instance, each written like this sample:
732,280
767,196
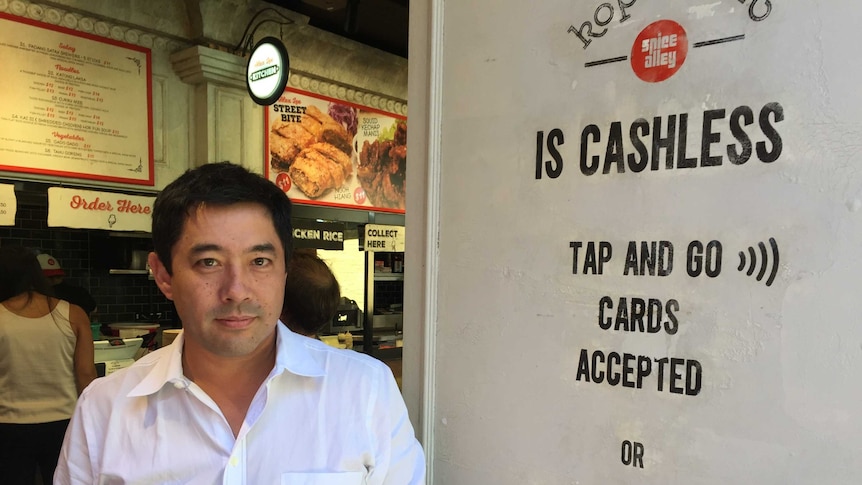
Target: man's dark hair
216,184
311,294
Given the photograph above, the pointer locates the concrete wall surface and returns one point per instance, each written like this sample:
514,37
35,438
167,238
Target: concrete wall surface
647,226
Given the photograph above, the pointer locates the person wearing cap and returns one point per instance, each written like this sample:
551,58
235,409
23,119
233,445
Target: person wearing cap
56,276
46,361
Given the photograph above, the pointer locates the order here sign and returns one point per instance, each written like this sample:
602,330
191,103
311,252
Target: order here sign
88,209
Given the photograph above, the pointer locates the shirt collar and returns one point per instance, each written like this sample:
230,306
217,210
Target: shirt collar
293,354
165,366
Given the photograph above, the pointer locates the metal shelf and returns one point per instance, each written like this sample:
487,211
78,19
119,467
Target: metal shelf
393,320
388,276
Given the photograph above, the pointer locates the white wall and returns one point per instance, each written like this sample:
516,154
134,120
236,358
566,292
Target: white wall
778,364
348,266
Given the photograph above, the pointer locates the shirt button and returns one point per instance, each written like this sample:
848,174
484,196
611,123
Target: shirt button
234,461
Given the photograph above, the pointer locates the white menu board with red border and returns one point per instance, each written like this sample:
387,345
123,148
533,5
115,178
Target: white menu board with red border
8,205
328,152
73,104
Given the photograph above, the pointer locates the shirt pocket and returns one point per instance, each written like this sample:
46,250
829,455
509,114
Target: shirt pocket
341,478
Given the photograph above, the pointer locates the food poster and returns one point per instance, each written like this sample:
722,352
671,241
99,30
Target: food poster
324,151
649,243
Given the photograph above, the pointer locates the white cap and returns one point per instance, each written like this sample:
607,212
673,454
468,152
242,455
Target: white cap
50,266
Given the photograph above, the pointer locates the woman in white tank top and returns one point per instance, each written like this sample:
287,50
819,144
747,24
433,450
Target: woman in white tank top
46,360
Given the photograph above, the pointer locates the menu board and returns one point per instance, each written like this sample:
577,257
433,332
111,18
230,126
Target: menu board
73,104
8,205
323,151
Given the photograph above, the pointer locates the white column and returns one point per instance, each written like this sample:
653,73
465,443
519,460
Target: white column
226,124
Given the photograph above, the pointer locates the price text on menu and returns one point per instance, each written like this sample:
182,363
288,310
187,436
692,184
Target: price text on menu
74,104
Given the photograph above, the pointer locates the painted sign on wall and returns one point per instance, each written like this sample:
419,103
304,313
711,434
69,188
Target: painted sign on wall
657,279
328,152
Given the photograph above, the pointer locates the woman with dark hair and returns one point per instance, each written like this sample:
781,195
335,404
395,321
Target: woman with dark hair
46,360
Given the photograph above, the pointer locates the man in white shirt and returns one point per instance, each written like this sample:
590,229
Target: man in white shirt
237,398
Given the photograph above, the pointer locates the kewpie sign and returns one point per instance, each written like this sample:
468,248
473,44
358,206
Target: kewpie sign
384,238
89,209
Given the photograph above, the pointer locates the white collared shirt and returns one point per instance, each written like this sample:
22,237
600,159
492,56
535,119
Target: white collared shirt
322,416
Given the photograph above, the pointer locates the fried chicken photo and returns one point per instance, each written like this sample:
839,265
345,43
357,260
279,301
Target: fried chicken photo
319,168
288,139
382,169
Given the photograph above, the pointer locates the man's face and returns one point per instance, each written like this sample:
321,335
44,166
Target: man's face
228,279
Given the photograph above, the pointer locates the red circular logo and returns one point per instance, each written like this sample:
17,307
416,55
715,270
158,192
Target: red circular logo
283,182
659,51
359,195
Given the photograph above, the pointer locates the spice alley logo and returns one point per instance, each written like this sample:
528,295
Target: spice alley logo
659,51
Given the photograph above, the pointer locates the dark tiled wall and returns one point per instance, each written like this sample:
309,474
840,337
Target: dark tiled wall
387,293
119,297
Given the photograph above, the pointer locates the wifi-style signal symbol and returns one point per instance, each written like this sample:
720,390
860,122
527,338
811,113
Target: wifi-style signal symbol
764,261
